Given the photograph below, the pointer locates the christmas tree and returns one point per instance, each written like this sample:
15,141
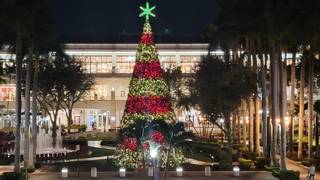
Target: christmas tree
149,97
148,101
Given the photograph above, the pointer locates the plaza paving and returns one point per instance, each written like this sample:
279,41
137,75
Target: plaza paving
221,175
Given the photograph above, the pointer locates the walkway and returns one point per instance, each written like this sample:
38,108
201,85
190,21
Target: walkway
222,175
297,166
6,169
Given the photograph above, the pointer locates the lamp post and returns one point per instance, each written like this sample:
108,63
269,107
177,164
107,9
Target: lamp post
153,155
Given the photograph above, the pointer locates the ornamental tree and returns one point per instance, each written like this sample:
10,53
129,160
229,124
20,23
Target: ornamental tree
218,88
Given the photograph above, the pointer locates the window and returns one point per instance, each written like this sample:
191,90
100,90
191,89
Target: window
168,62
125,64
96,64
123,93
188,63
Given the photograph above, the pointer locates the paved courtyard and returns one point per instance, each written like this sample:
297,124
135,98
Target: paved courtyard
221,175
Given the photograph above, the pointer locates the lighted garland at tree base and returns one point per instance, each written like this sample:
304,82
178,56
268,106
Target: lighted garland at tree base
128,155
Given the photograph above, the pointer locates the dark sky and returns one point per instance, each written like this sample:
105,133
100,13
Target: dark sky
104,21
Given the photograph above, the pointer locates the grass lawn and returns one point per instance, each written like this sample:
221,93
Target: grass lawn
83,166
98,152
5,162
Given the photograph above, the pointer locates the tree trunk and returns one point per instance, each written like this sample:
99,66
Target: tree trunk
317,134
301,109
33,141
69,117
257,127
251,129
239,127
54,133
274,90
234,125
27,110
310,108
167,162
282,107
229,133
244,125
292,104
264,110
18,100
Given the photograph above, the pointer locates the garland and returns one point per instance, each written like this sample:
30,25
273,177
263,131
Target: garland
148,87
128,118
148,70
147,39
146,53
149,104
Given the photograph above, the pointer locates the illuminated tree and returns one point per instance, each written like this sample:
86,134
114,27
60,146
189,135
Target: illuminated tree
147,108
149,96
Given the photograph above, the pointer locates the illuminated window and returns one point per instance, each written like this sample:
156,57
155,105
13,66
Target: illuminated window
123,93
96,64
168,62
188,63
125,64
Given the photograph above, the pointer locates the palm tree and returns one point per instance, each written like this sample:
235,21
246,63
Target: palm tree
139,129
292,102
175,136
301,109
310,106
27,109
282,107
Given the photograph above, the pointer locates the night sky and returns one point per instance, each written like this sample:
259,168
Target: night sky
117,21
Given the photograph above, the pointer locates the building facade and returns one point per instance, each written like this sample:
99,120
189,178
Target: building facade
112,66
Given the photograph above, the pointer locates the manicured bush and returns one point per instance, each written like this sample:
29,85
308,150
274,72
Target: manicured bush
246,164
248,155
11,176
261,163
286,175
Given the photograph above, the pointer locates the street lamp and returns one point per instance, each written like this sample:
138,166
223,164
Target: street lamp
153,155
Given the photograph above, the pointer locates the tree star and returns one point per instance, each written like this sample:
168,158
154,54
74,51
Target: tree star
147,11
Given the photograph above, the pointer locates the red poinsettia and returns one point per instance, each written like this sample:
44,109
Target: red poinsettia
157,137
147,38
150,104
129,143
150,69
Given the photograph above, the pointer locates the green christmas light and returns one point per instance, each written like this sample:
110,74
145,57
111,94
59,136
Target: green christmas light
147,11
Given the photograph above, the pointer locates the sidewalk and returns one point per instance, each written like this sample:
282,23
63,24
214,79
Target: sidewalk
6,169
297,166
222,175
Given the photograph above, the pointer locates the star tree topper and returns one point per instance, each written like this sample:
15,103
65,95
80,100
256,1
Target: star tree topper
147,11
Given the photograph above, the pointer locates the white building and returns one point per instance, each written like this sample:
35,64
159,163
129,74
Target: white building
112,66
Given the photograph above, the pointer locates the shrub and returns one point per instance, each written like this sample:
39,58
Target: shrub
284,175
83,128
261,163
11,176
225,161
246,164
248,155
312,162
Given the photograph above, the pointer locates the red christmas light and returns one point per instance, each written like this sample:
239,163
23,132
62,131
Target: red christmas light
147,39
151,105
150,69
